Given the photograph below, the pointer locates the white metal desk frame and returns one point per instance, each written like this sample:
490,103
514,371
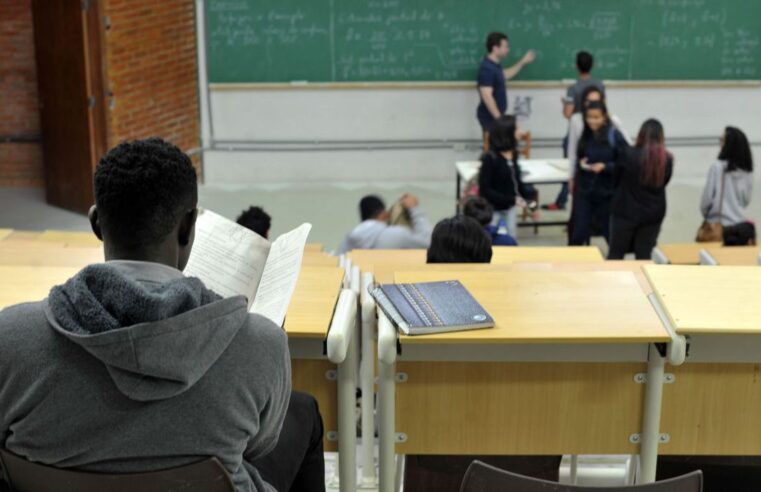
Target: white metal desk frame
342,349
675,352
538,171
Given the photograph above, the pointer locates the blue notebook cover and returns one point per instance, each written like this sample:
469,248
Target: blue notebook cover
431,307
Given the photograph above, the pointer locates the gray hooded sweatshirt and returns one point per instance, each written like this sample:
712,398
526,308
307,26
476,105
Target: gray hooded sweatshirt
131,366
374,234
738,190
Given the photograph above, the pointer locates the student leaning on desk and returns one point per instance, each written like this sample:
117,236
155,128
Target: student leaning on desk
141,368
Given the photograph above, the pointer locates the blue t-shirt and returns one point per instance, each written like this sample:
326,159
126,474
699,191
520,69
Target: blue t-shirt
491,74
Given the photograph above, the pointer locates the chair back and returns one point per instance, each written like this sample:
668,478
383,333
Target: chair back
24,476
481,477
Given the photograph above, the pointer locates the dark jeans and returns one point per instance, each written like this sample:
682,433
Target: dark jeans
589,206
627,236
562,198
297,463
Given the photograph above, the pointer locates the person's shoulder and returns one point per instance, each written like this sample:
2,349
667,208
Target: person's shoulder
489,158
23,328
262,332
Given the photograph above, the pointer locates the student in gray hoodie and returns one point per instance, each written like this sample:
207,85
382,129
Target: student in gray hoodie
130,366
731,177
374,232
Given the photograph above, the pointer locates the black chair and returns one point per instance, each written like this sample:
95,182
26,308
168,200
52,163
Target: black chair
481,477
24,476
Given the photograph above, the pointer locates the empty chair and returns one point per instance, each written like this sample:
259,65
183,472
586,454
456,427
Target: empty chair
204,476
481,477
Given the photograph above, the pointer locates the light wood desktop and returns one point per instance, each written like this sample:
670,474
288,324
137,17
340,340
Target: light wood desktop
37,253
491,392
735,255
71,238
711,407
684,253
30,283
634,267
314,247
4,233
319,259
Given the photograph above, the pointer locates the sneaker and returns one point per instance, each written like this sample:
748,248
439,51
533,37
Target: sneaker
552,207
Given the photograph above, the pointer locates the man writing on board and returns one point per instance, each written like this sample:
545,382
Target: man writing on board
491,80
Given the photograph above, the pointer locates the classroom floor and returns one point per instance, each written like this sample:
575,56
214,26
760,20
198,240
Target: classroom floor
332,208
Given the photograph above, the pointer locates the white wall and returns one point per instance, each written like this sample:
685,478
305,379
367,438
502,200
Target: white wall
367,119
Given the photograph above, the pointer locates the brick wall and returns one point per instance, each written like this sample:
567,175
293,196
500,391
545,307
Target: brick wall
151,70
20,163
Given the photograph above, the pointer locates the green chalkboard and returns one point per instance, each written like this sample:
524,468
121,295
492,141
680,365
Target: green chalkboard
442,40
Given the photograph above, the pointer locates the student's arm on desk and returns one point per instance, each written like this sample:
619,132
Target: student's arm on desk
278,387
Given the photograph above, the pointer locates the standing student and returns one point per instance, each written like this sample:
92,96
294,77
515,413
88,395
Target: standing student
459,240
499,180
375,232
639,198
257,220
480,210
573,103
492,89
130,366
729,185
600,146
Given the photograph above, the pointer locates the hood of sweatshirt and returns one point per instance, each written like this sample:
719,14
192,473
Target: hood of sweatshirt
156,331
365,235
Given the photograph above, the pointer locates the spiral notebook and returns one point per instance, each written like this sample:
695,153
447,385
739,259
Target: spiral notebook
431,307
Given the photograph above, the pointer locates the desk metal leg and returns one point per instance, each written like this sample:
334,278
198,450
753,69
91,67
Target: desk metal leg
574,468
367,383
386,403
651,419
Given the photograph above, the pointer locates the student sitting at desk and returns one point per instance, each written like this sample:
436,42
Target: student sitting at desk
480,210
459,240
132,367
374,232
257,220
600,146
639,199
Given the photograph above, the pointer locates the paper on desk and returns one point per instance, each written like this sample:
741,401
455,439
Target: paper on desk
281,274
227,257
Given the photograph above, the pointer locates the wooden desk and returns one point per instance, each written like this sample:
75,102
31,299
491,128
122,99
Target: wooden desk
634,267
502,255
307,323
30,283
735,255
71,238
5,233
384,273
33,253
314,247
556,375
686,253
712,405
319,259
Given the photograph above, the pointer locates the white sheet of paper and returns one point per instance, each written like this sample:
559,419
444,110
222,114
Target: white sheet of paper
228,258
281,274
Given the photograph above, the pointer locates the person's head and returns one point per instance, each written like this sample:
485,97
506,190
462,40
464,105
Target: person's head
651,140
742,234
503,134
591,94
372,207
459,240
257,220
145,203
479,209
584,62
735,149
595,115
497,45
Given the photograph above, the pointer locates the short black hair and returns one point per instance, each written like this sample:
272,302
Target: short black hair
370,207
142,190
479,209
502,135
494,39
255,219
736,150
459,240
584,61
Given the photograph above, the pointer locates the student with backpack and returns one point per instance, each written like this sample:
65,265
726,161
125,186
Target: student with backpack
639,198
600,146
